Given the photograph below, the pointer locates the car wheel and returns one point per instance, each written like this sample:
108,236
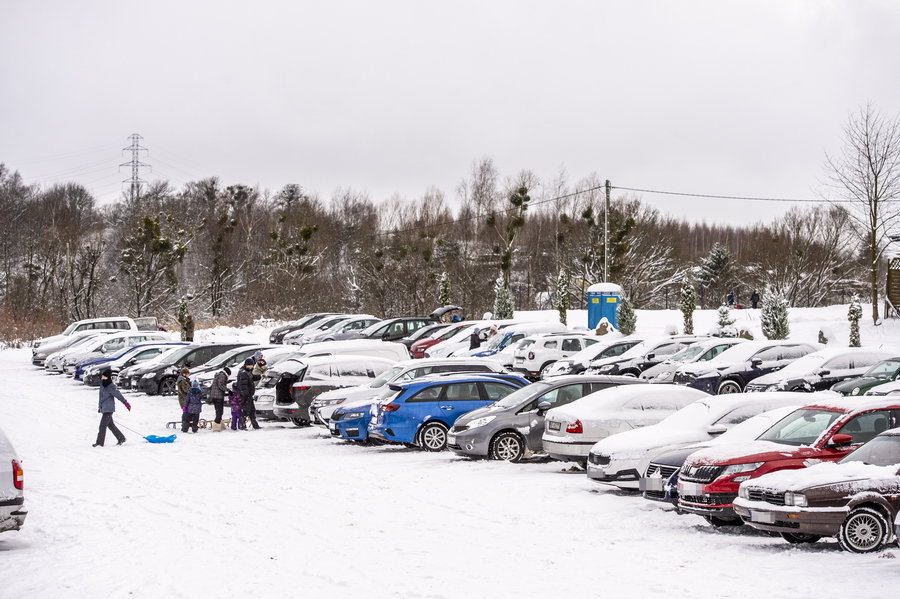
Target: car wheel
629,374
433,436
299,422
545,370
863,531
799,537
720,522
507,446
729,387
167,386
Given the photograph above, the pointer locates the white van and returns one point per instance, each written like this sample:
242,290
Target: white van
506,338
116,323
356,347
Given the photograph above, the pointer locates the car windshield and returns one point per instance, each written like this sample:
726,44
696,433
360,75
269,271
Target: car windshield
801,427
446,335
426,331
387,394
179,353
692,416
880,451
517,397
884,369
688,353
69,329
384,377
501,340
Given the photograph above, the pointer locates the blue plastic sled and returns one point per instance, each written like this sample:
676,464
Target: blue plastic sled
155,439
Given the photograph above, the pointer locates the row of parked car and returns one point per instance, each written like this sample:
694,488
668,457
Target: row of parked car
717,427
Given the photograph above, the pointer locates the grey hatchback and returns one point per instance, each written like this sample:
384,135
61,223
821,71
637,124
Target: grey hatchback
511,429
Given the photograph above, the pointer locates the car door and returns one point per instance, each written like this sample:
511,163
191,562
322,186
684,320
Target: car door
763,362
530,421
459,398
570,346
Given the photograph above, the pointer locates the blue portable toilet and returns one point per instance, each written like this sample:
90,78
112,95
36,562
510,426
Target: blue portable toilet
603,301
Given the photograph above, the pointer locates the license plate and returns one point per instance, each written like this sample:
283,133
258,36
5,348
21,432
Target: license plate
758,516
553,426
451,439
690,489
654,483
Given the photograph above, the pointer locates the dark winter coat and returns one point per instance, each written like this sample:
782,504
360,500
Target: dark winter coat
108,396
182,385
187,331
193,404
245,384
219,387
474,341
234,401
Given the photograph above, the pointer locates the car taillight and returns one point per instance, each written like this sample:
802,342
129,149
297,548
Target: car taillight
18,475
531,355
391,407
575,428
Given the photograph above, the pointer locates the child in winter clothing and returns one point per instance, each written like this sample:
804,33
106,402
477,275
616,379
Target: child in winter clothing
193,404
237,415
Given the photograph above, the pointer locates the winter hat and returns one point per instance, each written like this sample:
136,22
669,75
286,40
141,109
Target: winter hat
258,354
107,372
249,362
227,371
477,330
262,362
195,384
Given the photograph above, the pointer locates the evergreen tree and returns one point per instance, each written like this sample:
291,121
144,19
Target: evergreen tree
503,306
854,315
148,263
725,322
562,294
688,304
774,315
625,317
444,298
717,273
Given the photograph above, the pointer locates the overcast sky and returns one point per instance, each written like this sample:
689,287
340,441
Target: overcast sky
394,97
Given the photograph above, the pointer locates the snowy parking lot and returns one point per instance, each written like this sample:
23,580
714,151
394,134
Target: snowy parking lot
288,512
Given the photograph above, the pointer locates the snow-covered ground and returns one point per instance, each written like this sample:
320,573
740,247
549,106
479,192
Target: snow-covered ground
287,512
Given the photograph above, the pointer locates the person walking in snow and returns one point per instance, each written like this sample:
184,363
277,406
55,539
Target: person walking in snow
183,385
109,393
247,389
475,339
754,299
730,299
193,405
217,392
187,330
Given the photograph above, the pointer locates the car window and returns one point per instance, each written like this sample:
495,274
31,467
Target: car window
667,350
885,369
551,344
768,355
563,395
738,415
353,370
427,394
634,404
713,352
319,372
863,360
883,451
114,344
379,332
838,363
462,392
659,403
792,353
571,345
865,426
496,391
589,342
147,354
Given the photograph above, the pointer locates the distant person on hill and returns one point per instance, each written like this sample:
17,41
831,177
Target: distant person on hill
109,393
730,299
187,331
754,299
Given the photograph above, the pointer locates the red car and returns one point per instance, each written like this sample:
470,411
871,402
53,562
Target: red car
824,431
418,348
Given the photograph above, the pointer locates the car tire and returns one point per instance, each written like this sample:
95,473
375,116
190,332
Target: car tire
433,436
507,446
728,387
630,374
299,422
167,386
720,522
864,530
795,538
544,370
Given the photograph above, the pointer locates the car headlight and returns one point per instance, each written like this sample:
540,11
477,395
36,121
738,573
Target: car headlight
795,499
329,402
353,415
606,368
855,391
149,375
479,422
744,492
738,468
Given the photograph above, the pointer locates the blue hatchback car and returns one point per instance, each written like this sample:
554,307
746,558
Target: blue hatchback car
421,411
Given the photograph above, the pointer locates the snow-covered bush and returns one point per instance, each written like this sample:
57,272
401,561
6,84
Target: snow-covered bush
671,329
688,304
627,319
725,323
854,315
774,315
503,306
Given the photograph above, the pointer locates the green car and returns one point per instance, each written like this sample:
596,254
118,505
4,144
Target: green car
882,372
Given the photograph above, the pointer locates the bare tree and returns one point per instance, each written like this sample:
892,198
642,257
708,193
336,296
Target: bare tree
867,175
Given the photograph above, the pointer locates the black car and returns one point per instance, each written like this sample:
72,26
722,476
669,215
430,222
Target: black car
820,370
642,356
159,378
423,332
393,329
277,335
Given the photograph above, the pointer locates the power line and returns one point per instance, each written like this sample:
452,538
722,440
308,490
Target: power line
719,197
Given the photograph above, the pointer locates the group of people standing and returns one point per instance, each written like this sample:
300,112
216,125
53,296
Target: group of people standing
239,395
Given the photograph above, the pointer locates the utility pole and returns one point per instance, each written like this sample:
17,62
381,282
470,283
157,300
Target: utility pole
135,165
606,236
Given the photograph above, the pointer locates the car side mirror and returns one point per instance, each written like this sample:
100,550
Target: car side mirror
651,356
543,407
189,364
824,372
755,362
716,429
840,440
130,362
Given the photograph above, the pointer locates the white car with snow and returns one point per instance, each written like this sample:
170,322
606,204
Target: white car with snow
108,344
644,355
608,346
571,431
12,485
620,460
532,360
702,351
